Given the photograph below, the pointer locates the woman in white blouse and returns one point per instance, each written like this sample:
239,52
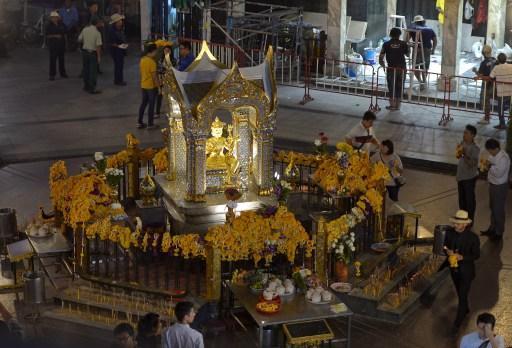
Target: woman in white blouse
387,155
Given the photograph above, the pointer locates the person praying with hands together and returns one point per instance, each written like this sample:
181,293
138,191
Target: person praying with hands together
462,247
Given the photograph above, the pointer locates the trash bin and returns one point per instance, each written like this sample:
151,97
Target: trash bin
8,224
271,336
34,291
439,235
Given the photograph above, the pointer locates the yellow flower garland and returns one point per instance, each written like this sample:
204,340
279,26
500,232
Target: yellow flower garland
161,160
78,197
117,160
189,245
250,235
360,178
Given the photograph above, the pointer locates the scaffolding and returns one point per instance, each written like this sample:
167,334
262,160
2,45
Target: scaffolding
253,25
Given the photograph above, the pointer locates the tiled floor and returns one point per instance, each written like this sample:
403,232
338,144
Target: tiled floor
41,119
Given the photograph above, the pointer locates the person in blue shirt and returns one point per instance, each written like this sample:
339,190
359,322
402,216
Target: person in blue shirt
186,56
429,40
484,336
69,17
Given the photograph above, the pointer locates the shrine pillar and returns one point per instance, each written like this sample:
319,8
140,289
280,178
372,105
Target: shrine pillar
321,247
196,168
176,149
264,160
242,130
213,273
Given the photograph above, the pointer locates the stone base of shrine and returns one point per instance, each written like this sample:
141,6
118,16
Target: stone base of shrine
198,217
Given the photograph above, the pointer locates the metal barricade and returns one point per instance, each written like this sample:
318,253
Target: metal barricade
342,76
481,95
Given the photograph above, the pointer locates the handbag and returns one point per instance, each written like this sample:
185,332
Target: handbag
399,180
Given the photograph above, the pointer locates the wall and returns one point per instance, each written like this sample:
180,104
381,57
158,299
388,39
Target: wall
316,19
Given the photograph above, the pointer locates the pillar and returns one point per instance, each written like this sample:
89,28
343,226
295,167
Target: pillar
496,18
336,29
451,41
145,21
213,273
176,150
265,160
390,11
508,23
242,131
321,247
196,168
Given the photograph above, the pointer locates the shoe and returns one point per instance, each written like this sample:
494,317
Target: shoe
96,91
391,108
122,83
423,86
52,78
141,125
484,121
156,116
496,238
64,76
153,127
500,127
487,233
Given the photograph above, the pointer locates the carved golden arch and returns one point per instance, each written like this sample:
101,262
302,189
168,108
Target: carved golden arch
232,93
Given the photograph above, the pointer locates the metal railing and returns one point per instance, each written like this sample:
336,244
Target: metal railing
361,79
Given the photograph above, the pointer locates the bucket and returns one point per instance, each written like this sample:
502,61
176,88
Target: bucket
34,291
8,224
369,55
352,69
439,236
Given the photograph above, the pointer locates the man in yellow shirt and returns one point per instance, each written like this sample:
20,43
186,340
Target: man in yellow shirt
440,17
149,84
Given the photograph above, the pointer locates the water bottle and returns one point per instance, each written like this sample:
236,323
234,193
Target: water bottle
370,44
380,43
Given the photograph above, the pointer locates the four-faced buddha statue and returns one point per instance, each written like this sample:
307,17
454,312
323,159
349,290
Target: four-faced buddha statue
220,150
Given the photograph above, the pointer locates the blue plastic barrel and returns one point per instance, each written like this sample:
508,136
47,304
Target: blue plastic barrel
369,55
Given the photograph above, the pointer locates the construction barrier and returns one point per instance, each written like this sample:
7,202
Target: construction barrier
356,77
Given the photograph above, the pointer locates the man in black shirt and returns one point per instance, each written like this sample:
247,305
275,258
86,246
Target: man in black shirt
462,247
395,51
56,41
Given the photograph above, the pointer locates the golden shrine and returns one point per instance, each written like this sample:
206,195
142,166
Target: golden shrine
221,132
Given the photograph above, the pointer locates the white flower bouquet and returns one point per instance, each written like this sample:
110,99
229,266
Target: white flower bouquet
344,247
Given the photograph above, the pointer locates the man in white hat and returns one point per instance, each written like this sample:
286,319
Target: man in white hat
56,41
429,40
462,247
118,46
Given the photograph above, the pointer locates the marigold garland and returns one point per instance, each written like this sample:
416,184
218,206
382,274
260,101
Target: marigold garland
78,197
161,160
118,160
351,173
252,235
190,245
